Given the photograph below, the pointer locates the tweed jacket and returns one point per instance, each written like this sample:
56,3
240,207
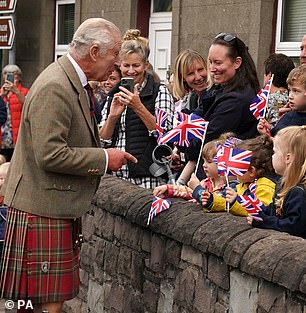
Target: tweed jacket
58,161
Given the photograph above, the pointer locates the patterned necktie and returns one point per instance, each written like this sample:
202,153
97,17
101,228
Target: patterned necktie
91,98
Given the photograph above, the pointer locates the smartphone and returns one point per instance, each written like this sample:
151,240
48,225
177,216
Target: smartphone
127,83
10,77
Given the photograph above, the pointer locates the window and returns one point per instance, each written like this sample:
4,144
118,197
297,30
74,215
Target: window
162,6
64,27
291,27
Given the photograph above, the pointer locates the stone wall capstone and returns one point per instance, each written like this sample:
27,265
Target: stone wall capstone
185,261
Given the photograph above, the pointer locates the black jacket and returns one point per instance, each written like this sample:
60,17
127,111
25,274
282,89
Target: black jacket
292,118
228,112
138,141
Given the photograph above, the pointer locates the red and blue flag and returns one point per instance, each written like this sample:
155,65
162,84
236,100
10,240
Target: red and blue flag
229,142
233,161
252,205
259,103
161,117
188,127
158,205
221,160
252,187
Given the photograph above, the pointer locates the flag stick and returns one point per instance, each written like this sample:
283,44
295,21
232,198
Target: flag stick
227,203
264,114
148,221
199,157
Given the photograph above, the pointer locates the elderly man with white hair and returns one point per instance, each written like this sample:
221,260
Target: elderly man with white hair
55,171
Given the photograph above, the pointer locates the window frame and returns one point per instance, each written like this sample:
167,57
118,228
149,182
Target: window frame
60,50
290,48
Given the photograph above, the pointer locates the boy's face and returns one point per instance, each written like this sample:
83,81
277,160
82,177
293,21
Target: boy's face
297,97
210,168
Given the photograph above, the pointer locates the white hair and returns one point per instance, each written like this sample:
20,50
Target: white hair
12,68
93,31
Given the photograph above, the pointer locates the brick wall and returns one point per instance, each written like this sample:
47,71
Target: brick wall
186,261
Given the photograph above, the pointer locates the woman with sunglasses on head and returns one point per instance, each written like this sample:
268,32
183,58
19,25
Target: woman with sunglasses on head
232,69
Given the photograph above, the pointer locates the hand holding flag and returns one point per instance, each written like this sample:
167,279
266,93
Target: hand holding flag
232,161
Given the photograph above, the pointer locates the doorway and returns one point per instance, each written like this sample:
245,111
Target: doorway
160,33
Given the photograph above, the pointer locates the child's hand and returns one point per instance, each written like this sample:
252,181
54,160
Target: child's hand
249,219
204,197
231,195
193,182
282,111
262,126
159,190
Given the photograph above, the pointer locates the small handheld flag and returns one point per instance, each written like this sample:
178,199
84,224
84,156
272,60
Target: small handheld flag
233,161
258,105
158,205
161,117
252,205
190,127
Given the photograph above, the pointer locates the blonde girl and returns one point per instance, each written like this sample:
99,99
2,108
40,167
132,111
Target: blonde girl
287,213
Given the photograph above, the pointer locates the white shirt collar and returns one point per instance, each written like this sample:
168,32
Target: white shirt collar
79,71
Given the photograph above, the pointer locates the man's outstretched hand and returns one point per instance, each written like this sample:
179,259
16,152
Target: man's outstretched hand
117,158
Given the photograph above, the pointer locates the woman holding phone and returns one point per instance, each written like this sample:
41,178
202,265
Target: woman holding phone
128,119
13,94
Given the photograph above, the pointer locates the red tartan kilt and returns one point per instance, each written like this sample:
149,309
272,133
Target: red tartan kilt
40,262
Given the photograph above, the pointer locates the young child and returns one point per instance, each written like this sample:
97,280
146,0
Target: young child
260,173
287,212
297,102
214,183
279,65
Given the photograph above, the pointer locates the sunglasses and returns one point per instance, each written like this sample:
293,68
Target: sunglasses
226,37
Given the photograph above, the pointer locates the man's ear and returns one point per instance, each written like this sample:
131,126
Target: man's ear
94,51
237,63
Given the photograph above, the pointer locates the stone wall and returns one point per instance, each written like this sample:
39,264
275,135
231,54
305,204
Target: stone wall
185,261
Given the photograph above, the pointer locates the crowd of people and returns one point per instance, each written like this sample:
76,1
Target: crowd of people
78,104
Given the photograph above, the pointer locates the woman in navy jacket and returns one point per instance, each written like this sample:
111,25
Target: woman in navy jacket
234,84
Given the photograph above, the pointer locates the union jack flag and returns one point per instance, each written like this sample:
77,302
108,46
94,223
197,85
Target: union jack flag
229,142
252,187
191,127
252,205
260,101
221,160
161,119
158,205
233,161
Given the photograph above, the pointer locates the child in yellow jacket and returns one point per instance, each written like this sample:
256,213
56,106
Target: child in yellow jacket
260,177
